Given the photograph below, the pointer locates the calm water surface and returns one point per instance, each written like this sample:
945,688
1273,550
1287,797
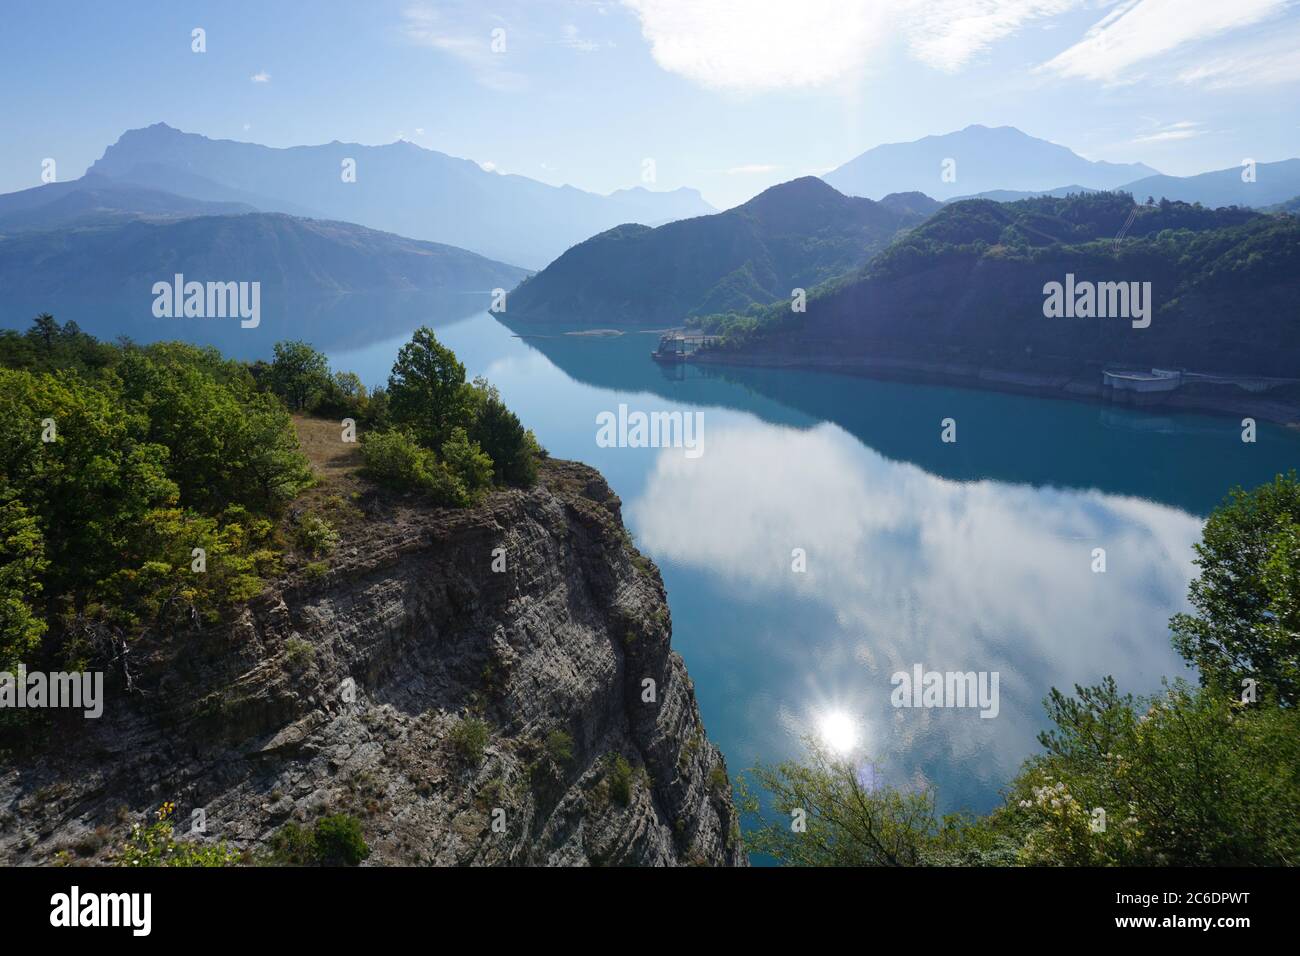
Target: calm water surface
973,556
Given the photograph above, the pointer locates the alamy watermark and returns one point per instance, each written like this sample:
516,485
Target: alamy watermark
75,908
1098,300
208,300
77,690
922,688
651,430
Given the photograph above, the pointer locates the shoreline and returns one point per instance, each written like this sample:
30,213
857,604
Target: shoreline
1074,387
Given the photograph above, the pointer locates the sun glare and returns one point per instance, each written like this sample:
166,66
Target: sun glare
838,731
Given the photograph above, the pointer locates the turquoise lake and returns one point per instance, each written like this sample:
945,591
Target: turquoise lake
976,555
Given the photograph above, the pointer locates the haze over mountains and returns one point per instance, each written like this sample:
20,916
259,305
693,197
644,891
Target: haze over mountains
330,281
796,234
983,158
161,201
399,188
95,199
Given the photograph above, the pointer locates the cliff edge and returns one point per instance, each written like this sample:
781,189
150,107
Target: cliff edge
468,704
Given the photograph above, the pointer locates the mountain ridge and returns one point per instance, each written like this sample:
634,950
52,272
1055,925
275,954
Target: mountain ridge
982,158
397,187
795,234
962,297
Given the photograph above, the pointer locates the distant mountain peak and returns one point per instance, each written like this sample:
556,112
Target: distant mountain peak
976,159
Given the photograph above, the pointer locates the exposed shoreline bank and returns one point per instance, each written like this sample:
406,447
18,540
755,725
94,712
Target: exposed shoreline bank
1208,400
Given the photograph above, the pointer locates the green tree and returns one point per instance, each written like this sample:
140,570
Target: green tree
1185,778
22,566
298,373
427,390
825,811
90,486
1245,598
511,447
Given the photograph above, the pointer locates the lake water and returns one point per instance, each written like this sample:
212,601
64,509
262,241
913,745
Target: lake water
976,555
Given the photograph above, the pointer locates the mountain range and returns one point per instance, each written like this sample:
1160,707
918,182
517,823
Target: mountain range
399,187
161,201
974,160
794,235
1272,184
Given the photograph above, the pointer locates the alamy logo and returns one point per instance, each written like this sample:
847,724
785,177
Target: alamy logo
1098,300
103,909
655,430
77,690
208,300
923,688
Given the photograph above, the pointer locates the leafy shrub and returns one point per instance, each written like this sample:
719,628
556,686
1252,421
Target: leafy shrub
467,462
620,779
156,845
298,653
339,842
469,739
314,534
559,746
396,459
334,841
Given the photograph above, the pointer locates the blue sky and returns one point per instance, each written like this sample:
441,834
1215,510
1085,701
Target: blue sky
728,96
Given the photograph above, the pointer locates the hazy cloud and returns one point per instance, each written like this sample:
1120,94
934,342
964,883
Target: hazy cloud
1264,63
1185,129
947,34
1117,46
427,27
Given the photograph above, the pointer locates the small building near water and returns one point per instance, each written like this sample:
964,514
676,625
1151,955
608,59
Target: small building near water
1155,380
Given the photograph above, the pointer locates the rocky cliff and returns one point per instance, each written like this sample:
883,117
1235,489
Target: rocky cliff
364,686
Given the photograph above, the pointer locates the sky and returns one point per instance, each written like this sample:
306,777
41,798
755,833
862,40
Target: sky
726,96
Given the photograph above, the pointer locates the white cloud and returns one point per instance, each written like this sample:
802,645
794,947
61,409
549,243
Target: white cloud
1266,63
947,34
1115,48
1184,129
754,45
262,77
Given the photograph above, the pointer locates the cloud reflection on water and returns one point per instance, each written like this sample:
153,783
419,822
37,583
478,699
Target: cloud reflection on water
904,567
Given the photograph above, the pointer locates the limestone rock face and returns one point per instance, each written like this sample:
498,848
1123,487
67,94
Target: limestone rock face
366,689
